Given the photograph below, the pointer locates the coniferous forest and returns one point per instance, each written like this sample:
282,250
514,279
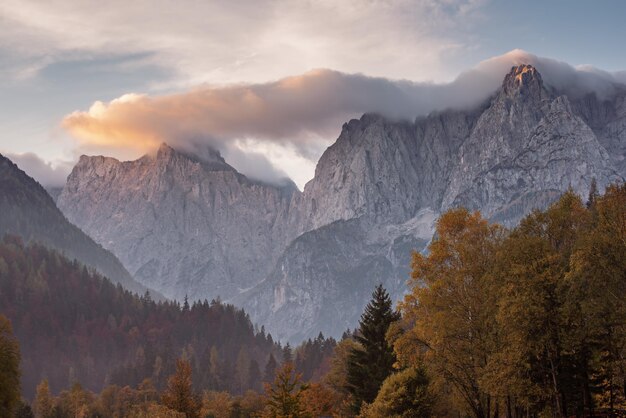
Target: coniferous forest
526,322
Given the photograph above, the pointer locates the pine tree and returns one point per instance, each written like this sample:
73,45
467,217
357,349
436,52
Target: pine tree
214,369
254,376
371,363
179,394
242,370
9,369
23,410
287,354
270,369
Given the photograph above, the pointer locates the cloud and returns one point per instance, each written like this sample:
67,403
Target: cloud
301,113
228,41
46,173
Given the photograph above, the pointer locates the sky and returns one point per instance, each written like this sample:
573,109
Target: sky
269,83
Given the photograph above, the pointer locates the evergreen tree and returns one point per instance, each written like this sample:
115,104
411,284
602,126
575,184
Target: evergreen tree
270,369
214,369
287,354
124,338
242,370
371,363
179,394
9,369
254,376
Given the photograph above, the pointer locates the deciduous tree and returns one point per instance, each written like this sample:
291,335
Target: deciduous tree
179,394
404,394
451,310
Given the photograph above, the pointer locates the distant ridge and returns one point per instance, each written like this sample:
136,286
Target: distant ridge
27,210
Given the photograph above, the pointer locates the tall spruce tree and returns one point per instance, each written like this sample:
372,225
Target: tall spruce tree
371,362
287,354
270,369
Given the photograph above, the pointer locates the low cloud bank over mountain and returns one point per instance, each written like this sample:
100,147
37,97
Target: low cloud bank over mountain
301,114
46,173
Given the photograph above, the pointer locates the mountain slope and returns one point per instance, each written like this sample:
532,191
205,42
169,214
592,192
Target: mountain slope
29,211
76,326
325,276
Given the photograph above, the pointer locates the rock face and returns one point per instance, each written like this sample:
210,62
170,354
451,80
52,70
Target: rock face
517,152
181,225
28,211
304,262
325,277
527,141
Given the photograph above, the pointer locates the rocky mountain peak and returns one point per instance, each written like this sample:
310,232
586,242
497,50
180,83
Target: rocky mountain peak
182,220
164,151
523,80
203,154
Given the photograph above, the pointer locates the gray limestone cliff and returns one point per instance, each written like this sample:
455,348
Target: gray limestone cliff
517,152
181,225
301,263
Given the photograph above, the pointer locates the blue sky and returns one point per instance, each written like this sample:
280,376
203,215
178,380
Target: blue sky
59,57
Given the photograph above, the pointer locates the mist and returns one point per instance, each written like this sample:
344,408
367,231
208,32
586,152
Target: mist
46,173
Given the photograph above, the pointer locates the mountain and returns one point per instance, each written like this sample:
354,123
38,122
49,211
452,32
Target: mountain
182,225
73,325
529,140
29,211
515,153
377,192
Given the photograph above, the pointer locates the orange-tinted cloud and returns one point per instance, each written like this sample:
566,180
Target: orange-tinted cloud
303,113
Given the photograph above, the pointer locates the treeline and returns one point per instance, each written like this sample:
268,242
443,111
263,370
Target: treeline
287,392
75,326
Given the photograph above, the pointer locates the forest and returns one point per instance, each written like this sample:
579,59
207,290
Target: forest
497,322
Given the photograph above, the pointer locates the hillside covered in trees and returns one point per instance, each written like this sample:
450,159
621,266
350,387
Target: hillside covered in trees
75,326
29,211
